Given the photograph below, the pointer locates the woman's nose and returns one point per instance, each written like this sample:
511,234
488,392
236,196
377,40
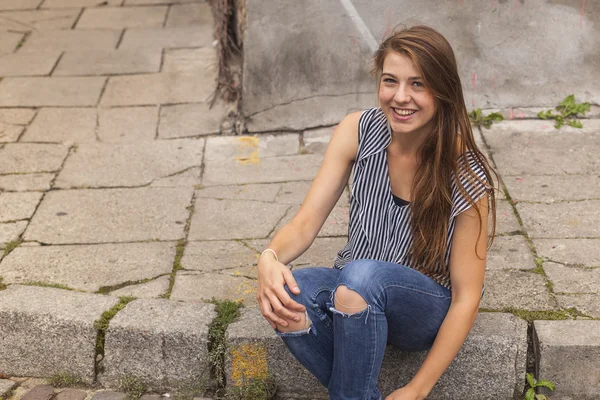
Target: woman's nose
402,95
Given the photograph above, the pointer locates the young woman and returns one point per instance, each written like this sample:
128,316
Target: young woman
412,272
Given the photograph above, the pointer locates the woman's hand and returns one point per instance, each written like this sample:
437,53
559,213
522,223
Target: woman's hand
405,393
275,304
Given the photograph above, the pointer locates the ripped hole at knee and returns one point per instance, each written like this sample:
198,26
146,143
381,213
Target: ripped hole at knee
348,301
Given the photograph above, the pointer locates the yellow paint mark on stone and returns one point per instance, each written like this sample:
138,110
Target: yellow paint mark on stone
249,362
243,143
252,159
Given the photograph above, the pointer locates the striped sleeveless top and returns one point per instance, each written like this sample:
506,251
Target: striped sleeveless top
378,228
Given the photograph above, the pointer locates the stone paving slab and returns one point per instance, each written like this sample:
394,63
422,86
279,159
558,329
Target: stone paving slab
187,36
510,252
102,165
10,133
191,14
151,89
153,289
11,231
506,221
566,219
72,40
40,92
254,351
109,62
19,4
553,188
321,253
162,343
217,255
200,60
25,182
72,125
189,177
316,140
538,161
582,252
122,17
516,289
28,64
220,219
38,20
251,149
573,279
537,133
203,286
9,41
568,354
44,331
70,394
127,124
295,192
152,2
121,215
25,158
15,206
40,392
585,303
267,192
336,223
264,170
16,116
79,3
88,268
185,120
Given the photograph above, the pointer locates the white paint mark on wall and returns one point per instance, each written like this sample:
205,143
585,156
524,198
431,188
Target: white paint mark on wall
360,24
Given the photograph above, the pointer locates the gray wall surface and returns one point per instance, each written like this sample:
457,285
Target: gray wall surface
307,62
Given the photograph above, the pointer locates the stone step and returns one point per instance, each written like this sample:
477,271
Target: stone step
568,354
492,361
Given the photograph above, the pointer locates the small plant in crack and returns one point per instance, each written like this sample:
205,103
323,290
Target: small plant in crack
479,119
568,111
65,379
133,386
227,312
533,385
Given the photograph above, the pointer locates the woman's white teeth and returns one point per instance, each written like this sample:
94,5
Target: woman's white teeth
404,112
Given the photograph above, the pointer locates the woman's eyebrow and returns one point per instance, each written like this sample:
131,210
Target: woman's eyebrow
411,78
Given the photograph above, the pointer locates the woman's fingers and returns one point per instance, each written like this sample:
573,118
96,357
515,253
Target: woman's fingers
290,281
267,312
280,310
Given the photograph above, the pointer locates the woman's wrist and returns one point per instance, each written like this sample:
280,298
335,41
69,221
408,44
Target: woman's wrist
421,392
271,252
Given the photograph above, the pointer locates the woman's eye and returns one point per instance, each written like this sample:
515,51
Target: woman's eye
388,80
419,84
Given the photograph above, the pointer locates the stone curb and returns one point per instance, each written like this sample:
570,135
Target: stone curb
492,361
164,344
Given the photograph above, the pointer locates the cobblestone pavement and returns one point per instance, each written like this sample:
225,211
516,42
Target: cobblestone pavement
114,179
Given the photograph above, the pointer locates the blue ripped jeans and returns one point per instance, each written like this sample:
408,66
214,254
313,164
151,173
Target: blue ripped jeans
345,351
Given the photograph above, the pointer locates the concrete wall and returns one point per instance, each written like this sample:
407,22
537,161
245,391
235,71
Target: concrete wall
306,62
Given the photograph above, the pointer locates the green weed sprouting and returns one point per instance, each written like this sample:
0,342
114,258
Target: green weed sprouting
479,119
568,110
533,384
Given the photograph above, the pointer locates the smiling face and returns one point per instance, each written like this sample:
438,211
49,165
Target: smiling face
408,105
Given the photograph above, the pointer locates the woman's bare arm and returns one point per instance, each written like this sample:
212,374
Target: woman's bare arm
467,270
295,237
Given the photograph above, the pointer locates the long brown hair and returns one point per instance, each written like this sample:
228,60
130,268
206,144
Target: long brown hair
441,159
